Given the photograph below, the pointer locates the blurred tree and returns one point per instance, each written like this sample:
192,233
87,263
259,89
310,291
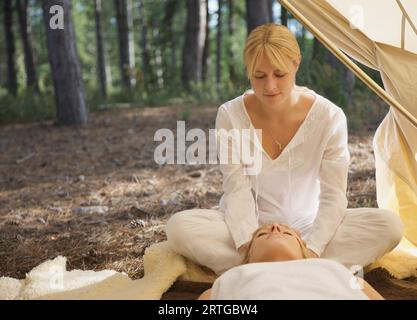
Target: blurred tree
123,37
65,66
131,40
101,65
232,28
206,53
195,35
257,12
168,35
284,16
340,82
303,38
146,59
219,42
10,47
31,73
349,81
271,10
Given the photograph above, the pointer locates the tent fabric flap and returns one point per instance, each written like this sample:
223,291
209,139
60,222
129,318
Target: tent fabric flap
390,46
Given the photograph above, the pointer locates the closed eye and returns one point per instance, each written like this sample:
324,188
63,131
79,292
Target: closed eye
277,75
264,233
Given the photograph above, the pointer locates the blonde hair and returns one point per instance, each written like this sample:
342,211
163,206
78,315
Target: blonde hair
277,42
247,252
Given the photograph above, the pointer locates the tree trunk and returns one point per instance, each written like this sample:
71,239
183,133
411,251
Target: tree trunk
284,16
257,12
206,53
271,10
317,50
101,66
219,43
131,37
349,86
232,28
174,65
169,36
195,35
31,74
146,65
65,67
303,38
158,67
10,47
123,37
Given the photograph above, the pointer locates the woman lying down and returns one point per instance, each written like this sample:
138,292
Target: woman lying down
276,268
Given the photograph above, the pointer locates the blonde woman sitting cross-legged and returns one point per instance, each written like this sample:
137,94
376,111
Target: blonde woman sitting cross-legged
276,267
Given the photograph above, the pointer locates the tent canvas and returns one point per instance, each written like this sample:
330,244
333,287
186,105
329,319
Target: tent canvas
382,35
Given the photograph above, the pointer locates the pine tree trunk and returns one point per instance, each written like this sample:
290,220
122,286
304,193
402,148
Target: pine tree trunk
206,53
131,37
101,66
271,10
219,43
232,28
284,16
303,39
317,50
257,12
31,74
349,86
10,47
169,36
65,67
174,65
195,35
155,40
146,59
123,38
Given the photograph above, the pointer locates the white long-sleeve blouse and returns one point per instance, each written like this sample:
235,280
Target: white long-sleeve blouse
305,187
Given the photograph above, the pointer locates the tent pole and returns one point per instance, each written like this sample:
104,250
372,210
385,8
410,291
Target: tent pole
348,63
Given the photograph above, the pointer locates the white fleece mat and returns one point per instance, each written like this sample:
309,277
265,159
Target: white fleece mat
162,267
401,262
51,281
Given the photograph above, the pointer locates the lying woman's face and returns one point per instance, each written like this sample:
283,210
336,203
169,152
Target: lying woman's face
275,242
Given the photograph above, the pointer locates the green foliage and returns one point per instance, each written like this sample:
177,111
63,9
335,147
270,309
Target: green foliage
367,111
159,81
27,106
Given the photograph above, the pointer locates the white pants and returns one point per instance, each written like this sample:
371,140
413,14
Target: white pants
364,235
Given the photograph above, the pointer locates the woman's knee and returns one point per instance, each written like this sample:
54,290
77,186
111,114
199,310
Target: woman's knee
393,227
175,228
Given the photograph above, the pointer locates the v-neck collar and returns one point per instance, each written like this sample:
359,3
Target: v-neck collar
297,139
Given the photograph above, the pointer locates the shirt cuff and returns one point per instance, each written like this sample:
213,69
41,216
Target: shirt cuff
240,237
314,248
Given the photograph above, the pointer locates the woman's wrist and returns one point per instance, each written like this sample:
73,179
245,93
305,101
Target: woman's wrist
311,254
242,249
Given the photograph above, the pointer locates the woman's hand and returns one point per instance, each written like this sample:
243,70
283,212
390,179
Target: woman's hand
311,254
243,248
206,295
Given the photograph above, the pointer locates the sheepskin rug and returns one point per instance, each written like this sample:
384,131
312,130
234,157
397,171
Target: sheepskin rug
51,281
162,267
401,263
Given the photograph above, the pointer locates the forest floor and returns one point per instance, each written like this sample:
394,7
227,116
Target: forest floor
95,195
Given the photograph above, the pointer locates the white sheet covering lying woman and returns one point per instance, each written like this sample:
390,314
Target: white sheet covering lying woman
276,268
